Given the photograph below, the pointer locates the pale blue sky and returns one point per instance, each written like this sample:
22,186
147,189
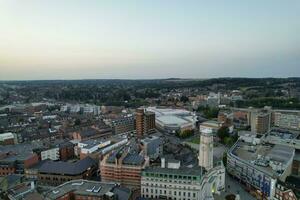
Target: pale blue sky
60,39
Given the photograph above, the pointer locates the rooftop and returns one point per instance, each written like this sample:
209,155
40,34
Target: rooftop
261,155
80,187
168,111
67,168
172,119
17,152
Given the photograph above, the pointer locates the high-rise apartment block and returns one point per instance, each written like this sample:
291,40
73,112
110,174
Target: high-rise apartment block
145,122
260,122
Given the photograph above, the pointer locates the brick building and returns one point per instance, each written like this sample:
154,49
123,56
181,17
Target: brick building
145,122
55,173
123,166
66,151
91,133
14,159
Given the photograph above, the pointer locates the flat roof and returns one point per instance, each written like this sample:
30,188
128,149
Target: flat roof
263,152
168,111
172,119
80,187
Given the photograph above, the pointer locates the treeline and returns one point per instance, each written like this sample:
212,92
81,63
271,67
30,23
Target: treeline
291,103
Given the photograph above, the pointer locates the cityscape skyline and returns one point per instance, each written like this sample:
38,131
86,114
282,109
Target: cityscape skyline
148,40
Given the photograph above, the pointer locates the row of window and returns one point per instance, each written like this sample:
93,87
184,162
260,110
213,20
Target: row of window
171,176
170,186
169,180
162,192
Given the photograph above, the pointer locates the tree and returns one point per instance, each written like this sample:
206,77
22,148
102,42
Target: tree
223,132
208,112
230,197
184,99
185,133
224,158
77,122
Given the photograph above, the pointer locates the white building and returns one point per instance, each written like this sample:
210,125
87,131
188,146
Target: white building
173,120
260,165
153,146
206,149
213,126
287,119
172,181
6,136
52,154
90,146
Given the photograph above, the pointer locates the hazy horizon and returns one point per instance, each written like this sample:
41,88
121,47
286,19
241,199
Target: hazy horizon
75,40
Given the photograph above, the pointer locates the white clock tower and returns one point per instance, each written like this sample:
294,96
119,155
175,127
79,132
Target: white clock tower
206,149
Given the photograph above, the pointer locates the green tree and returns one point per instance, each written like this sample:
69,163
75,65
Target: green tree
184,99
223,132
77,122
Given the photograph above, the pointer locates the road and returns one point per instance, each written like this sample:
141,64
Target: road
234,188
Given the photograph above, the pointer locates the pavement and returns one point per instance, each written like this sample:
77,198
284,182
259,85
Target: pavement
234,187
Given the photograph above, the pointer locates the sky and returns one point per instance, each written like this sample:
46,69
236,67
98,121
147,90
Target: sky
142,39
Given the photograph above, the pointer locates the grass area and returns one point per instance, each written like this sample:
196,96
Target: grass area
195,140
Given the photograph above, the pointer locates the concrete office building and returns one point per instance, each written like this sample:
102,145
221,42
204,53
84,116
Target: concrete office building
152,146
145,122
258,165
289,119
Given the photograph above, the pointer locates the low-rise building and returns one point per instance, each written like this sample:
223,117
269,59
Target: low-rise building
259,166
173,120
85,189
289,119
7,138
16,158
152,146
66,150
124,166
124,124
92,133
51,154
55,173
284,193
